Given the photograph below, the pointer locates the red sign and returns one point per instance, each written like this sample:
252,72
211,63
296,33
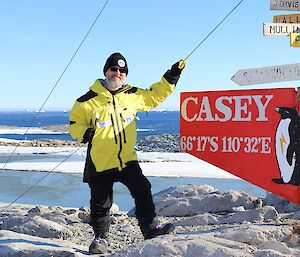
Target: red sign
253,134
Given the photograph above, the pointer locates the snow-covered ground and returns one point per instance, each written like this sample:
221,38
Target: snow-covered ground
57,159
23,130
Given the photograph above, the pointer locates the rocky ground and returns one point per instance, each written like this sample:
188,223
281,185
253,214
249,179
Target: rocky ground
152,143
208,222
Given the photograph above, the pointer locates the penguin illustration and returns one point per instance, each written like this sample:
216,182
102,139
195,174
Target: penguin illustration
287,146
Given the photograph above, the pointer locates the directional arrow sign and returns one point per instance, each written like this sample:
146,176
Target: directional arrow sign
287,18
280,29
286,5
267,74
295,39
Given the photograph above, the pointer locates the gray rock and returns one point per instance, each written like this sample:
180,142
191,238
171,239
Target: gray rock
55,208
159,143
20,245
192,200
70,211
199,220
203,245
276,246
294,215
84,209
238,208
37,226
255,234
37,210
84,216
264,214
280,204
58,217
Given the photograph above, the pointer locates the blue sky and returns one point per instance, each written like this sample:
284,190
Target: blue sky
38,38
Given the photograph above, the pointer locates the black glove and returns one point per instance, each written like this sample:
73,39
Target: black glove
88,135
172,76
177,68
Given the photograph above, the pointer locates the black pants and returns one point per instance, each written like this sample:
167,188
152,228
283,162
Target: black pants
102,197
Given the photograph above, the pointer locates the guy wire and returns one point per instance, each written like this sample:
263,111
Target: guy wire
27,190
213,30
55,85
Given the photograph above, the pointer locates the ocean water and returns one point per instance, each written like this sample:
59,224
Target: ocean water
68,190
148,123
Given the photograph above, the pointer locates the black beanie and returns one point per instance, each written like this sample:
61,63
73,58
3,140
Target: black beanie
116,59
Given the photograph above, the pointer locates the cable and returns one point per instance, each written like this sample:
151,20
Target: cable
55,85
213,30
11,203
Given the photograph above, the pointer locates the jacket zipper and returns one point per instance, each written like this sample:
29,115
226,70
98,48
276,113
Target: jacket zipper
120,136
112,122
124,135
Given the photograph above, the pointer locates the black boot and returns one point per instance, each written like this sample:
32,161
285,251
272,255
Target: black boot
159,229
99,244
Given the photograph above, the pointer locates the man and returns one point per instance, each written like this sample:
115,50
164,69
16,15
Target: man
105,117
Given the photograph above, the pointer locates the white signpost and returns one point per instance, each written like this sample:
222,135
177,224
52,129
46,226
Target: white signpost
280,29
269,74
285,5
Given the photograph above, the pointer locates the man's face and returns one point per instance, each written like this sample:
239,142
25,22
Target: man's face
116,74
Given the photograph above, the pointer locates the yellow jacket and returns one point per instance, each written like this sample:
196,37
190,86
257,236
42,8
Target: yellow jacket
112,119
